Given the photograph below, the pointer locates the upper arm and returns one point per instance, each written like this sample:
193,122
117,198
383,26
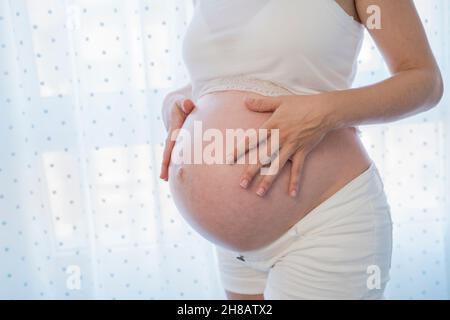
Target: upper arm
401,38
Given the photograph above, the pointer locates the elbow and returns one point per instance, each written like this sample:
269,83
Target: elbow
436,88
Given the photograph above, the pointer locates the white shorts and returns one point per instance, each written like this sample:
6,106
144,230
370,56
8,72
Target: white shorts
340,250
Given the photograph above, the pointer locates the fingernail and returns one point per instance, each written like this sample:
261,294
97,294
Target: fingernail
250,100
293,193
244,183
260,191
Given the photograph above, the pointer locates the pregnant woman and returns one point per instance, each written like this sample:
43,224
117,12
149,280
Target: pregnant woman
320,227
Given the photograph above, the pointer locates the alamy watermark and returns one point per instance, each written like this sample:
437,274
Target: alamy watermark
73,280
374,19
374,278
214,146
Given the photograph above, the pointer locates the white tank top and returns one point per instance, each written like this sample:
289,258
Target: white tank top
271,47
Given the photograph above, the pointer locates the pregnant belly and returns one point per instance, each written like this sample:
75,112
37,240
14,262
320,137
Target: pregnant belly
209,196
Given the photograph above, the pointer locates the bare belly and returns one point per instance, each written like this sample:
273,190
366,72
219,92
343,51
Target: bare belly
209,196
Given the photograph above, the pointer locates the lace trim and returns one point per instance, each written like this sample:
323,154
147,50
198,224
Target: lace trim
242,83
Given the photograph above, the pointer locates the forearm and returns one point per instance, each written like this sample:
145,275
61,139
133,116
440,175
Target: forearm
184,92
402,95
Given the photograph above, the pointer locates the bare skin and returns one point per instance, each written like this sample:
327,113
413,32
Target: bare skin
202,192
349,6
350,9
415,86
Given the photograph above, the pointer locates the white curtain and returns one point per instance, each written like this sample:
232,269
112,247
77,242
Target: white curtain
413,157
82,211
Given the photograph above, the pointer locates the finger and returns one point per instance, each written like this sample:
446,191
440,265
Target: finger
166,160
298,160
187,106
257,158
251,140
244,145
266,104
249,174
273,171
167,154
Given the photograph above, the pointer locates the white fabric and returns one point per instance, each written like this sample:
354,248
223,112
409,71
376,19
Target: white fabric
83,213
64,202
317,51
340,250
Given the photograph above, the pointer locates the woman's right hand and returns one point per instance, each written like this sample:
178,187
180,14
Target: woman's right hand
177,110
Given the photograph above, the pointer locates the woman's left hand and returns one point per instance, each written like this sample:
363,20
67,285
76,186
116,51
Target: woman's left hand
302,121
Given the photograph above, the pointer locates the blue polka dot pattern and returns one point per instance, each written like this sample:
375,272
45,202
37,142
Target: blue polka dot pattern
82,211
81,88
413,158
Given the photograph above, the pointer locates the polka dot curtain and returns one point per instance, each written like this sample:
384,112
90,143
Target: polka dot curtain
82,211
413,156
81,140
